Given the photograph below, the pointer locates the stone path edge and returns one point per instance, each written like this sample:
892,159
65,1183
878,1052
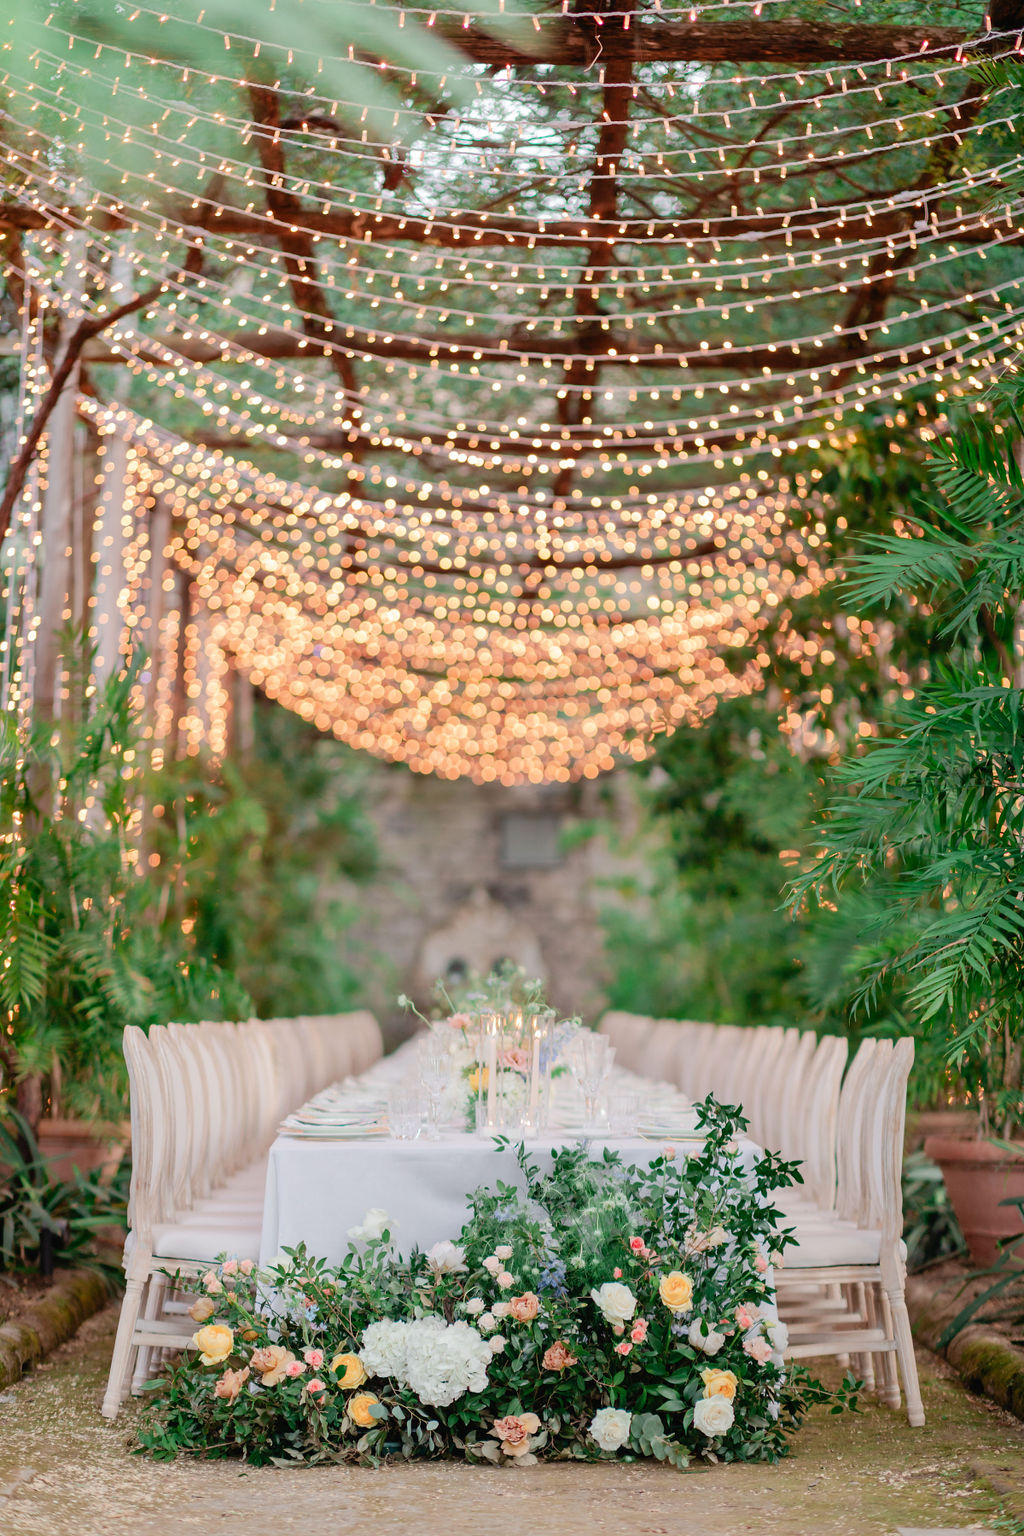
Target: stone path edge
985,1360
50,1321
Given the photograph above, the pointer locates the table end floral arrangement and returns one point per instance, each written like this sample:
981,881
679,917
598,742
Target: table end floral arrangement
595,1312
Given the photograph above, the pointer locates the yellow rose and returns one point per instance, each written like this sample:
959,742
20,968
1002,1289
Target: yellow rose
359,1409
478,1080
719,1383
214,1342
201,1309
676,1291
349,1369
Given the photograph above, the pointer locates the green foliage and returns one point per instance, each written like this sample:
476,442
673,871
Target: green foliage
72,1211
82,957
259,851
732,802
928,820
930,1229
678,1241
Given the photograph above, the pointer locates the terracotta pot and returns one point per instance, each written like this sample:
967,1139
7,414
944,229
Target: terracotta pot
942,1123
81,1144
978,1176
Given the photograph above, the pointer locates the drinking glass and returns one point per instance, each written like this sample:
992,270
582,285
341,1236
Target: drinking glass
592,1057
435,1070
624,1113
404,1112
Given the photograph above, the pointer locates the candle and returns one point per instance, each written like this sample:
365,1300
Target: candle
535,1080
492,1074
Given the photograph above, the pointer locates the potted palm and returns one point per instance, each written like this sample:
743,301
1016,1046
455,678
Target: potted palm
929,821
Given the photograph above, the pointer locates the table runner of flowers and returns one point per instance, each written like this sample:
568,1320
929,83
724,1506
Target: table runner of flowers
595,1311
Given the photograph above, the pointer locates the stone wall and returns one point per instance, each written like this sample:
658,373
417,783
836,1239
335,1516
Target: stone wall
473,874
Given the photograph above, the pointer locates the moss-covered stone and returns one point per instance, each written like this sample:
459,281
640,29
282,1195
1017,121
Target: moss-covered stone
50,1321
986,1360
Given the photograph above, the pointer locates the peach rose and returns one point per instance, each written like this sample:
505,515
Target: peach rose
272,1362
201,1309
676,1291
231,1383
719,1383
212,1283
517,1059
513,1432
314,1386
524,1308
359,1409
638,1332
461,1021
758,1348
214,1342
314,1358
349,1370
746,1315
625,1348
557,1357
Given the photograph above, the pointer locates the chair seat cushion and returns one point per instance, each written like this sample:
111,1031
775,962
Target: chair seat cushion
823,1244
200,1243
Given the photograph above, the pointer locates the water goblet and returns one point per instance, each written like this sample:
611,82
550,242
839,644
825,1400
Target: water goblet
404,1111
592,1058
435,1071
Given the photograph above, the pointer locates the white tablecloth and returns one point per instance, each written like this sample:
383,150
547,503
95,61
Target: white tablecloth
317,1189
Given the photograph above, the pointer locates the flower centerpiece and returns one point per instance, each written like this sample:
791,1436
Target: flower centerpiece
595,1311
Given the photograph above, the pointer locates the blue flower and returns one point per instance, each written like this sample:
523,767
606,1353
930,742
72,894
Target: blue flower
552,1277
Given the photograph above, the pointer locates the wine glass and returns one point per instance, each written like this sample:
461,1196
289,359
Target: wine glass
435,1070
592,1059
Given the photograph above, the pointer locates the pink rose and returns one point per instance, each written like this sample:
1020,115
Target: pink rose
500,1309
637,1244
758,1348
745,1316
761,1263
247,1266
294,1368
518,1059
492,1264
619,1328
638,1332
505,1280
212,1283
524,1308
624,1348
616,1274
557,1357
461,1021
314,1358
229,1267
316,1385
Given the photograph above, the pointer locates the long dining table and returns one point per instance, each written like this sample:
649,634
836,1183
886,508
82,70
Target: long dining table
324,1174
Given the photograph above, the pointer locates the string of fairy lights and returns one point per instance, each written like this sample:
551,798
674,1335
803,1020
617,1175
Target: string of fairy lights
469,441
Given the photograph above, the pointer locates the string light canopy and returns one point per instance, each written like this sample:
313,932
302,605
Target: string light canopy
470,420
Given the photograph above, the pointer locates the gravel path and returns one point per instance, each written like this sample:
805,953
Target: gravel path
65,1472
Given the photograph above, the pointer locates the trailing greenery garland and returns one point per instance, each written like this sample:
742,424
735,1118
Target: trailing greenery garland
593,1311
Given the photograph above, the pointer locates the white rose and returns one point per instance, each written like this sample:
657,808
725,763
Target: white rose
498,1344
486,1322
610,1426
778,1338
704,1338
717,1236
492,1264
505,1280
615,1302
504,1252
500,1309
374,1224
713,1415
474,1305
446,1259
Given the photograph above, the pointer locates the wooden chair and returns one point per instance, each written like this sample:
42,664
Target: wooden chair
841,1291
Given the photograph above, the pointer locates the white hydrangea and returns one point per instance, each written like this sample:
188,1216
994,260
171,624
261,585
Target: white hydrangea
438,1361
